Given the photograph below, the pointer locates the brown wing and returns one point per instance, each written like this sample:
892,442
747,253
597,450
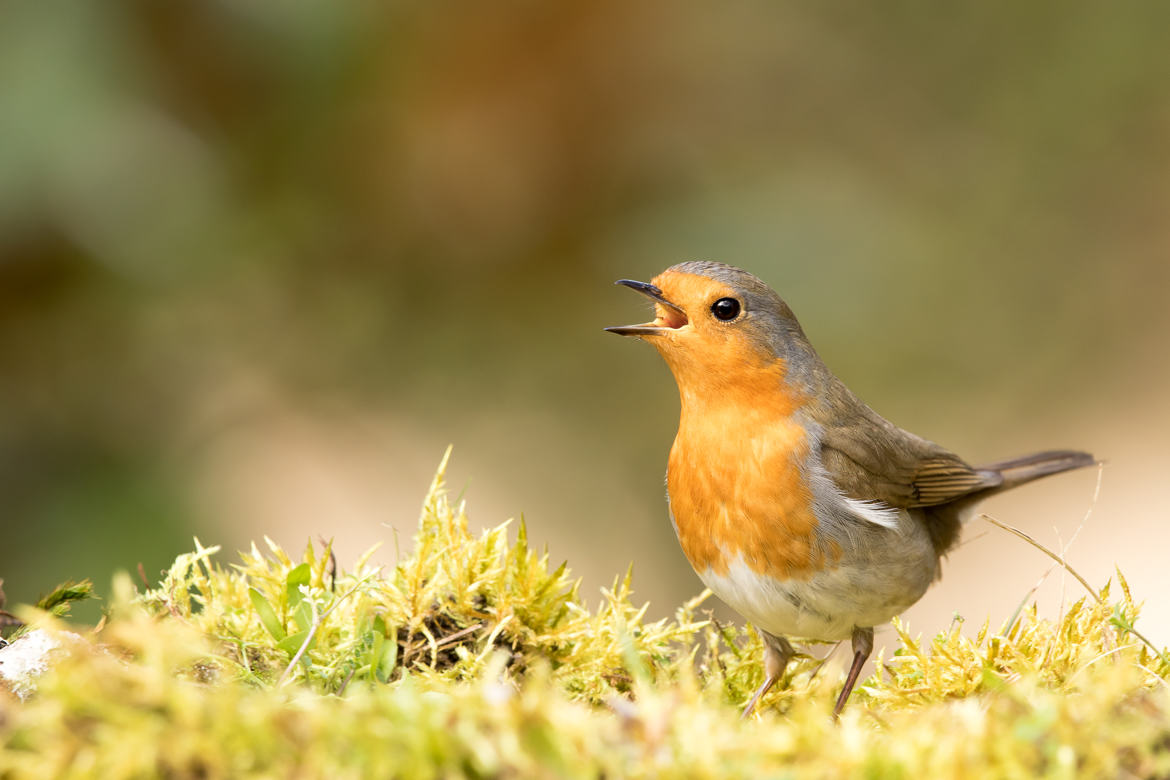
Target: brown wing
869,458
944,477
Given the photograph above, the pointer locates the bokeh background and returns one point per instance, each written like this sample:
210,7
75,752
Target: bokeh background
261,262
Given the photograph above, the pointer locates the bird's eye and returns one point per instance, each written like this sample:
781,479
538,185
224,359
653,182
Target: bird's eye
725,309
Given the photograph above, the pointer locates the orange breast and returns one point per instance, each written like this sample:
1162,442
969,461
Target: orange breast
735,482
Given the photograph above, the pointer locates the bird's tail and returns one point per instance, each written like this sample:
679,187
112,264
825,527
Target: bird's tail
1017,471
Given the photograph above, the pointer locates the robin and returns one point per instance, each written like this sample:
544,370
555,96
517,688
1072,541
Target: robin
798,505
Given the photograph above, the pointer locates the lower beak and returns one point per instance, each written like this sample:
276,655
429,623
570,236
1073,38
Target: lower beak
648,329
675,318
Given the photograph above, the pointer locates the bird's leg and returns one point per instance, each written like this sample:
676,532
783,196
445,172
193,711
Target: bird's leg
862,647
777,653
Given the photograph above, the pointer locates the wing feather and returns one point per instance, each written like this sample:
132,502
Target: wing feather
871,459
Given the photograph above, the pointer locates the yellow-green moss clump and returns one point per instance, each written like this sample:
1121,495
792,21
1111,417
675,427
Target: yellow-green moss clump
473,658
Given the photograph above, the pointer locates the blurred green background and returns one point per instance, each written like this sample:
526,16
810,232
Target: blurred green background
260,262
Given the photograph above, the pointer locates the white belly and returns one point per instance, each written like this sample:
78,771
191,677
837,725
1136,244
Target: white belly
829,604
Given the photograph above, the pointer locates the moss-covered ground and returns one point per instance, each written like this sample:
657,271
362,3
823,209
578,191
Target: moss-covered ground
474,657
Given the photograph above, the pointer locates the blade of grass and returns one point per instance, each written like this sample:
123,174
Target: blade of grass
1060,560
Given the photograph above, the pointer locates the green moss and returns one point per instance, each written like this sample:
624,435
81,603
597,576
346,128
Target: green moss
474,657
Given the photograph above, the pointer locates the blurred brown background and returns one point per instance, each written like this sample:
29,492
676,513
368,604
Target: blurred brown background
260,262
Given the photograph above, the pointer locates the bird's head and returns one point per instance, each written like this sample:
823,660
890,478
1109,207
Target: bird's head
715,321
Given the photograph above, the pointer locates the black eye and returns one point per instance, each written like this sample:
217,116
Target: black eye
725,309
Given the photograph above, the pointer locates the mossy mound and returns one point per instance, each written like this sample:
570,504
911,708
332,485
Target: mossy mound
473,657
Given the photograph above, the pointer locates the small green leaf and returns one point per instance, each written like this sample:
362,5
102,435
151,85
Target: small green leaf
303,615
386,659
297,576
292,643
267,614
383,655
990,681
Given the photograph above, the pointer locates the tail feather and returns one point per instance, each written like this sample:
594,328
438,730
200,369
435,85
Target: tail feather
945,520
1017,471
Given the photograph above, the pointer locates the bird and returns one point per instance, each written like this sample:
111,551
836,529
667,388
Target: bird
798,505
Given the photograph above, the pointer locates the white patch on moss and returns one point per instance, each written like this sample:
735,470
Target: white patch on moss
28,658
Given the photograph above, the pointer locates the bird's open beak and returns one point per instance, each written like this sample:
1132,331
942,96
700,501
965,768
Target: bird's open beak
670,316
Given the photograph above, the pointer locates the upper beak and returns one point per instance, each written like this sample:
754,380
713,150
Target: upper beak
674,317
